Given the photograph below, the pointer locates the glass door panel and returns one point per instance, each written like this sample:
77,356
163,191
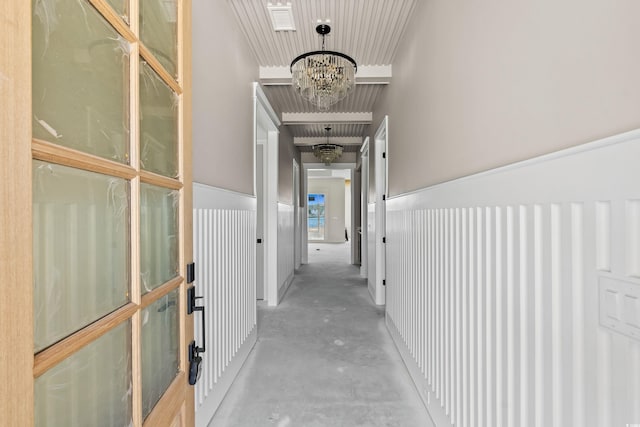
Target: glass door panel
122,7
80,80
160,355
158,236
158,31
90,388
81,252
158,124
106,349
315,218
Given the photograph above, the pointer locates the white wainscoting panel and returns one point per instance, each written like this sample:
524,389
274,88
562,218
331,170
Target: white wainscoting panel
371,251
507,291
224,227
285,248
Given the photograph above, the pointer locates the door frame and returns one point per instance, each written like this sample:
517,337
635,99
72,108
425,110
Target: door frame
364,205
16,253
305,232
381,177
297,238
265,116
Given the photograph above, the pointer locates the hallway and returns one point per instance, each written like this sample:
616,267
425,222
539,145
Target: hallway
323,357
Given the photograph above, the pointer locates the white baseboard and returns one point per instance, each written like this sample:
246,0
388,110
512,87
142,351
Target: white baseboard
206,412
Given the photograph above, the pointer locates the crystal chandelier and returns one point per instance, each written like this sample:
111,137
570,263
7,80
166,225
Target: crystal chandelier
323,77
326,152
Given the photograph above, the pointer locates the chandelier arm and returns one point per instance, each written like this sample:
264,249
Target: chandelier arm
324,52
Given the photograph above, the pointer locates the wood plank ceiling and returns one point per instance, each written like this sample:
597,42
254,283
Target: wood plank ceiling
367,30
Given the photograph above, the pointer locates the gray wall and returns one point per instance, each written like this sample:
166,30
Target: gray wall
223,72
478,85
287,151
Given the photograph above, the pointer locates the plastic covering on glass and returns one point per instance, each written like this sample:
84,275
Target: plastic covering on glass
90,388
158,31
158,124
158,236
80,80
121,7
81,253
160,343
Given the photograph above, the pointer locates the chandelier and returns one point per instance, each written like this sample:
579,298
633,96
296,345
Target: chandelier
326,152
323,77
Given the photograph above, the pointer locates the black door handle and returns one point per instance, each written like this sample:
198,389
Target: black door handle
195,360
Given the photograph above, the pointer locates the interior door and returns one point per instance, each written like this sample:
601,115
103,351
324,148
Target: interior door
381,144
260,217
111,183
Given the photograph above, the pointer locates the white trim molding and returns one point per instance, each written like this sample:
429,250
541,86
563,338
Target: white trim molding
511,293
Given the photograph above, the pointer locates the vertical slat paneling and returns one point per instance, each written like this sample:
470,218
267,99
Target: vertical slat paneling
578,320
489,303
480,310
464,310
556,315
498,306
632,242
224,253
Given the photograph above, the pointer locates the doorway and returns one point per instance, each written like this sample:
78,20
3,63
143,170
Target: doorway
329,206
266,190
376,223
316,216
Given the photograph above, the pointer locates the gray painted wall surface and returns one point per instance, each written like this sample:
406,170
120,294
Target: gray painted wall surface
286,153
477,85
223,71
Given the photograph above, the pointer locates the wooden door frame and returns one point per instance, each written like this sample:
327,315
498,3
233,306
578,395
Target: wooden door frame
16,272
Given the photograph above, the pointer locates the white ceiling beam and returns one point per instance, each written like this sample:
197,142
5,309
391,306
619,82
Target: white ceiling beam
367,74
342,140
313,118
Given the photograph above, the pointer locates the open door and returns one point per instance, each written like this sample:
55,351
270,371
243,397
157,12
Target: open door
266,188
96,154
364,211
297,247
376,217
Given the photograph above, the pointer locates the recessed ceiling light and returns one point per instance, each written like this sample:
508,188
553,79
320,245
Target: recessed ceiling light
281,16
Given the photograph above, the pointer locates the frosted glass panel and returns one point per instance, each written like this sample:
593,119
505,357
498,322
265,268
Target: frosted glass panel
158,124
158,236
120,6
160,340
80,249
80,80
90,388
158,31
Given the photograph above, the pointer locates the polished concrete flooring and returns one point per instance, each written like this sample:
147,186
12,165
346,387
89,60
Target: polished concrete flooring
323,357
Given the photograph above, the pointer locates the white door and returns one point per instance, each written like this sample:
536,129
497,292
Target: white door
260,292
266,177
379,216
364,213
296,216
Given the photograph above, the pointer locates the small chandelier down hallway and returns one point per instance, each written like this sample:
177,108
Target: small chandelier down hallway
323,77
327,152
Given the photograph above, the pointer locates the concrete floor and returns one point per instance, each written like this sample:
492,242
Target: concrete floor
323,357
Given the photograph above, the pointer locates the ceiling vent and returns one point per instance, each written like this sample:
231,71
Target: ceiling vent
281,17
